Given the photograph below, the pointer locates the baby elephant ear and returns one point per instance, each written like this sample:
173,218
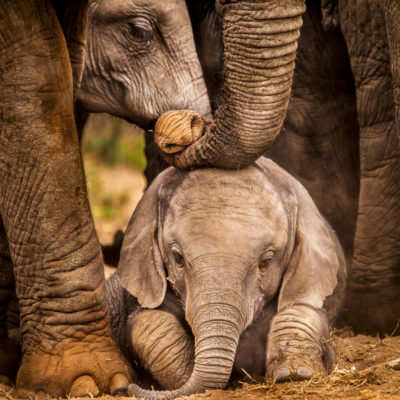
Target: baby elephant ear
317,264
141,268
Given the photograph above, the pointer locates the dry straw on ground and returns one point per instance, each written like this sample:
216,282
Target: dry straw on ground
368,368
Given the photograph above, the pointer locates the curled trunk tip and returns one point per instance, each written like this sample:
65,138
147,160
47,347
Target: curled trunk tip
176,130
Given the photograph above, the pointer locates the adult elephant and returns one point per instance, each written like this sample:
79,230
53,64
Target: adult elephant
340,137
49,251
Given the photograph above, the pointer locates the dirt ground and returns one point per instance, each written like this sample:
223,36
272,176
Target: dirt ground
368,367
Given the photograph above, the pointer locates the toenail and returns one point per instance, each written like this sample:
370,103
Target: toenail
283,374
84,386
40,395
304,372
119,384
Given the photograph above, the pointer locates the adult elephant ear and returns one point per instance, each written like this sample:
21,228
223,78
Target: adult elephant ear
260,42
316,271
141,266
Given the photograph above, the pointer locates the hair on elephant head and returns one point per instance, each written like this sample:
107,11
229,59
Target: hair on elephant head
141,61
248,255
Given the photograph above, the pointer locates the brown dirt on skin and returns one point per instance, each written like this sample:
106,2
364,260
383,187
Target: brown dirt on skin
362,372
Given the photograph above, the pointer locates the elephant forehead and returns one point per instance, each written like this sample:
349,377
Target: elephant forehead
213,189
227,208
123,8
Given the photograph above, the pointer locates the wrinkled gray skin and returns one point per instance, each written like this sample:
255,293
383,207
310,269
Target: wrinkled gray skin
141,61
260,41
211,256
340,136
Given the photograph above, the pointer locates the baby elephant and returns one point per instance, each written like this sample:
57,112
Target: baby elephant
226,270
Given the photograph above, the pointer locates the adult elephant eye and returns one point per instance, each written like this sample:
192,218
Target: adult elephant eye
141,32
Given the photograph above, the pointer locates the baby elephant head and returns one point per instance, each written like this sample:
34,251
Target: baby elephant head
228,242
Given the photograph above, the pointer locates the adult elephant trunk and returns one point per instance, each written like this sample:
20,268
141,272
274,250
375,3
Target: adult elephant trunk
216,326
260,42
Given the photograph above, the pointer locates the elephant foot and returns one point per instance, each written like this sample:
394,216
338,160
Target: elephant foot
10,358
294,370
81,369
298,345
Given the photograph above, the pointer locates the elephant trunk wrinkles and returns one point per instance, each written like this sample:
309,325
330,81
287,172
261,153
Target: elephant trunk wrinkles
260,42
217,327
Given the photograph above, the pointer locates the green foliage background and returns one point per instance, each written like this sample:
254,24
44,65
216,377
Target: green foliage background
110,143
114,141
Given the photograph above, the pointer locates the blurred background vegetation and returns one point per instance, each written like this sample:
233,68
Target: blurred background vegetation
114,160
114,141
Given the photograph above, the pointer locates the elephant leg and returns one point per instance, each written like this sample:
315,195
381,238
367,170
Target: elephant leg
374,292
298,344
10,355
67,345
163,347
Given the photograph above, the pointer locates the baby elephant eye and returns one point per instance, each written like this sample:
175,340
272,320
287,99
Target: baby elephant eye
178,257
266,260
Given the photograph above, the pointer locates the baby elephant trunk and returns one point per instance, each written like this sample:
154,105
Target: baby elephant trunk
216,326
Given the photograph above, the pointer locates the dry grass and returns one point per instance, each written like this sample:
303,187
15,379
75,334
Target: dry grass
363,372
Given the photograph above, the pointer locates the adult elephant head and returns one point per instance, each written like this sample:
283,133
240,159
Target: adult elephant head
141,61
260,40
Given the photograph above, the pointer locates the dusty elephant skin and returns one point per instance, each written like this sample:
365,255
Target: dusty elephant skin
340,138
141,61
213,256
340,133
